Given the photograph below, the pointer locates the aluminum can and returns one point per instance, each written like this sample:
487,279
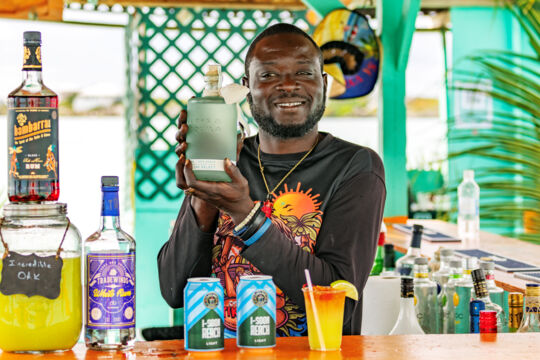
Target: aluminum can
462,299
203,315
256,312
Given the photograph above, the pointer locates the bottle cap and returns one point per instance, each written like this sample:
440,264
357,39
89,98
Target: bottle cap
32,37
487,265
420,261
478,275
456,263
488,320
475,306
471,263
407,287
532,290
515,299
468,174
447,252
109,181
417,236
382,238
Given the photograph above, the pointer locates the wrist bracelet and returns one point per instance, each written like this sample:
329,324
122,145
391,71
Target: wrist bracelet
247,219
260,232
258,220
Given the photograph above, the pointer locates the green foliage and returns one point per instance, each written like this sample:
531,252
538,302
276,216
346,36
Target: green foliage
514,138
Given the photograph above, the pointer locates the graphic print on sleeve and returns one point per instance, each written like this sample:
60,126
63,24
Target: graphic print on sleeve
297,214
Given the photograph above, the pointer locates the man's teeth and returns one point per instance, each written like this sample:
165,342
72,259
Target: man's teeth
291,104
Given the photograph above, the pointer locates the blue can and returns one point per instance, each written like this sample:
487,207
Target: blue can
475,307
203,315
256,312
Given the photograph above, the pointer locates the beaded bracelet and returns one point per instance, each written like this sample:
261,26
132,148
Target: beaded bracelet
247,219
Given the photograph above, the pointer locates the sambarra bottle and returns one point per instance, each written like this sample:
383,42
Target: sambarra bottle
32,132
211,137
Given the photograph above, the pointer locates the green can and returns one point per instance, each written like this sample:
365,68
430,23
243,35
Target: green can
256,312
203,315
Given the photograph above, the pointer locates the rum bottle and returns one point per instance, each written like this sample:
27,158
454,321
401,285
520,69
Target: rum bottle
407,322
448,299
212,133
462,298
404,265
531,316
482,294
32,115
110,278
496,294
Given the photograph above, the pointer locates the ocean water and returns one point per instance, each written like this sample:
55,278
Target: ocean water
93,146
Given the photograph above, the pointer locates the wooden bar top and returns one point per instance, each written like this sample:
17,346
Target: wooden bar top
497,244
418,347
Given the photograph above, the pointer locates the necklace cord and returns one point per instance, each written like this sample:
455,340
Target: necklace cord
261,168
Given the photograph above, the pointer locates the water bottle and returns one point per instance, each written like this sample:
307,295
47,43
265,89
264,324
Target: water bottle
468,208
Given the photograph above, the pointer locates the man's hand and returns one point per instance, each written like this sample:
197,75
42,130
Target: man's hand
230,197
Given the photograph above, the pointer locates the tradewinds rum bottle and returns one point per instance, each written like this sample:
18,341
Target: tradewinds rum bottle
425,293
482,294
110,278
212,130
404,265
407,322
32,131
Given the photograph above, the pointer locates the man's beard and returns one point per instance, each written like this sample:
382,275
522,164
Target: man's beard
267,123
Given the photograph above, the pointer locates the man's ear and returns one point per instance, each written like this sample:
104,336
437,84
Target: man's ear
245,81
325,81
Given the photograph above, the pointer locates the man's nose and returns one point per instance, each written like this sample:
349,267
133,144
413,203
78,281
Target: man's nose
288,83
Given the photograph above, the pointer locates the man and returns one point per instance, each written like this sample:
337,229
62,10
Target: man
299,199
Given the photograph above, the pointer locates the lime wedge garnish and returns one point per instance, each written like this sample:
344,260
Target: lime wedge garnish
350,289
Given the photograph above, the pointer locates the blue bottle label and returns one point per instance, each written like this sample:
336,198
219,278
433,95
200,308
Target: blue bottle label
111,291
110,205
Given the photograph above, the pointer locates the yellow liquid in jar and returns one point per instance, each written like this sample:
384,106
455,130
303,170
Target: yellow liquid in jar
40,324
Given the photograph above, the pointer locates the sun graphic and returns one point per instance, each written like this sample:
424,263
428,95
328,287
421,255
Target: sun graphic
295,202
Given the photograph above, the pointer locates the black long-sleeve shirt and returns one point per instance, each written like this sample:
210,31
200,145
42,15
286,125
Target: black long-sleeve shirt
326,218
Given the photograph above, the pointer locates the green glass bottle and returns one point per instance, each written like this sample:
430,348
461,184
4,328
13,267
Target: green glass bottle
379,257
211,137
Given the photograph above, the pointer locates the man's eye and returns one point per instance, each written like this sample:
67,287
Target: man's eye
267,75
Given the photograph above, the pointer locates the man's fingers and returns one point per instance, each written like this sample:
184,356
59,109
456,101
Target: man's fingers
233,172
180,149
182,119
181,133
179,173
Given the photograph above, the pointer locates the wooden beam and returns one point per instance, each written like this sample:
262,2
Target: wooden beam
32,9
219,4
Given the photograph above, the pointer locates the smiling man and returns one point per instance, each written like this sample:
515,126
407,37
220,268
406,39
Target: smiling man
299,198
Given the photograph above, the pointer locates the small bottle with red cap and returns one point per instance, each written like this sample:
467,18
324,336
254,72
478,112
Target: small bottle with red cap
488,325
379,257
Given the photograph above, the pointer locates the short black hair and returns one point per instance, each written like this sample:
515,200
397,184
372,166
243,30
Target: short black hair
279,28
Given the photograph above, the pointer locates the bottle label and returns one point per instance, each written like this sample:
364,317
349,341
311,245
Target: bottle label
32,57
208,164
405,270
468,206
33,143
111,291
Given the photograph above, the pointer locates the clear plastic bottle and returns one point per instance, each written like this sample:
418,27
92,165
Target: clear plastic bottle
404,265
407,322
425,292
447,296
482,294
110,278
531,318
468,208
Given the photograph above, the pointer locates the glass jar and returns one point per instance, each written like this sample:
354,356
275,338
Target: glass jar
40,281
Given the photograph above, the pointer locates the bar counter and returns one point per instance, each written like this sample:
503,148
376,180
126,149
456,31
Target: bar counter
418,347
497,244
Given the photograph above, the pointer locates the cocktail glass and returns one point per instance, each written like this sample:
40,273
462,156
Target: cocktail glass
329,304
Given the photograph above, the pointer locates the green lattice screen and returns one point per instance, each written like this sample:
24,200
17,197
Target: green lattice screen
174,46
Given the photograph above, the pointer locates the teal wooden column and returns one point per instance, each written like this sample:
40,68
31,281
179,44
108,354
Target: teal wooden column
397,25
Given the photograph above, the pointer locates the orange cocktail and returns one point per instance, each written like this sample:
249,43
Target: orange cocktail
329,303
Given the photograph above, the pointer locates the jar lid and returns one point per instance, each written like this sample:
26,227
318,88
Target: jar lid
34,209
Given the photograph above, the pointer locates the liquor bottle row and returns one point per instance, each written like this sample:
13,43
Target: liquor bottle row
40,289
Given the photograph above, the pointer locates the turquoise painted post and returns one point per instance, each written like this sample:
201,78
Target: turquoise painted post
323,7
397,25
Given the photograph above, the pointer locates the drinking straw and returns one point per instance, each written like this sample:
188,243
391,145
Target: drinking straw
315,313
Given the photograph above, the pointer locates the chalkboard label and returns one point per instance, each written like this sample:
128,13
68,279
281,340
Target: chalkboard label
31,275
